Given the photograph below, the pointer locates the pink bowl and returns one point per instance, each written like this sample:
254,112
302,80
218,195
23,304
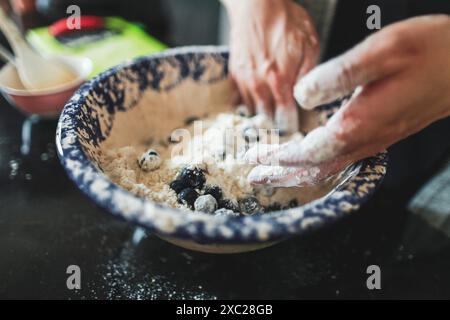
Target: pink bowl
47,102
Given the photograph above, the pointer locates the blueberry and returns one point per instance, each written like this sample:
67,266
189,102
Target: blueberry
226,212
187,197
249,206
206,203
192,177
250,135
243,111
177,186
220,155
214,190
283,133
229,204
273,207
190,120
149,160
291,204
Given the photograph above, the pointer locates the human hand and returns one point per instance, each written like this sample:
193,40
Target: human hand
402,76
272,44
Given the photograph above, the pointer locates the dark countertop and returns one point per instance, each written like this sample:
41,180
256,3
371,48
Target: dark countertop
47,224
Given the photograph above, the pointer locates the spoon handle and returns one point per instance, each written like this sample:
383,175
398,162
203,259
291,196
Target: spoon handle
6,55
12,33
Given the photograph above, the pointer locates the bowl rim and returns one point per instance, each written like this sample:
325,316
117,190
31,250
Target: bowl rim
345,198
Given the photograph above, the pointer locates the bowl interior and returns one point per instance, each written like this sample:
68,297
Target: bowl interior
154,113
150,97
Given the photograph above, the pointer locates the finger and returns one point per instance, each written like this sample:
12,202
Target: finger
360,129
372,59
277,176
312,33
258,153
311,55
286,113
312,49
320,146
235,96
323,152
286,118
379,115
280,176
262,98
245,95
357,130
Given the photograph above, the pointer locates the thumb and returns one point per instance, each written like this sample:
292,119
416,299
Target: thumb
369,61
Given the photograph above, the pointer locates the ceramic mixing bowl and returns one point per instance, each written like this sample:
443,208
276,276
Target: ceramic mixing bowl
123,105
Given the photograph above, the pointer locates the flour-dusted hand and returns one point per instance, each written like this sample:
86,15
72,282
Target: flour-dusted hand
273,43
402,79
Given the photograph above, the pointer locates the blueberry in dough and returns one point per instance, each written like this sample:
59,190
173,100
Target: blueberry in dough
229,204
214,190
149,160
220,155
177,186
243,111
187,197
291,204
190,120
249,206
250,135
273,207
192,177
205,203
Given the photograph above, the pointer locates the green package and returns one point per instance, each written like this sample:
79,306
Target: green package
125,41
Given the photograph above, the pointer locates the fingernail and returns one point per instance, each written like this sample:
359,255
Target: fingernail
301,94
286,119
261,109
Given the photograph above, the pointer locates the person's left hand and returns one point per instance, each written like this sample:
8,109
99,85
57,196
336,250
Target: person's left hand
273,43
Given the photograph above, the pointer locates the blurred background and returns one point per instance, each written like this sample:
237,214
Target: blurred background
175,22
47,224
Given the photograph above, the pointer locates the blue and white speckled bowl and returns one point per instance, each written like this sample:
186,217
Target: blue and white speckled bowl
122,103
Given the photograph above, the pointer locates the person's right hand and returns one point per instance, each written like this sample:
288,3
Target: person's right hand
403,78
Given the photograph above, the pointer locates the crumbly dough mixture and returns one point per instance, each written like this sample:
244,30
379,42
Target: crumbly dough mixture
215,145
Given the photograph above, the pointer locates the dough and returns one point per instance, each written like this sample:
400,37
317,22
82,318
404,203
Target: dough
215,146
